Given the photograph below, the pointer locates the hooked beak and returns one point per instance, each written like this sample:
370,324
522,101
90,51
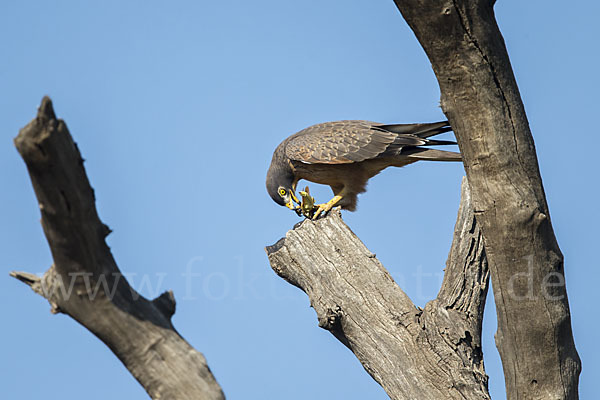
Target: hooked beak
290,204
290,200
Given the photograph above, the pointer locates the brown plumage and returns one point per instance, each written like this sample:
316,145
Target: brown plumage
346,154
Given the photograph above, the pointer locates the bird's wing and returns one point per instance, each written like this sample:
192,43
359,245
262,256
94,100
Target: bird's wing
344,142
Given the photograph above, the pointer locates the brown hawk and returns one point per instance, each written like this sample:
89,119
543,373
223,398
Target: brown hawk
345,155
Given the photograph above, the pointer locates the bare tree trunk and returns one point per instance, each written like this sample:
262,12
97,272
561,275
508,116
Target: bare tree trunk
85,283
480,96
431,353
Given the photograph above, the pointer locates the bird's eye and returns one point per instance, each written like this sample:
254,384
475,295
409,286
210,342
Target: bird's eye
282,192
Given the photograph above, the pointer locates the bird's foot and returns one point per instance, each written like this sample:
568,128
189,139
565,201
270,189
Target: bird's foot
326,207
320,209
313,211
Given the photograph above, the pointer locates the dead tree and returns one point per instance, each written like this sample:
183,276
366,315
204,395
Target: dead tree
435,352
432,353
85,283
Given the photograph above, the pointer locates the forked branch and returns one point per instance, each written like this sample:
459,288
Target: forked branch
431,353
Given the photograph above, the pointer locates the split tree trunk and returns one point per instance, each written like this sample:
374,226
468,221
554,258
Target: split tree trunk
431,353
85,283
480,96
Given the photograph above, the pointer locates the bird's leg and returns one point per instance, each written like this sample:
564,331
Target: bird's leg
324,208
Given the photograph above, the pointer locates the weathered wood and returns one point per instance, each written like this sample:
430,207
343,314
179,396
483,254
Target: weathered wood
480,96
431,353
85,283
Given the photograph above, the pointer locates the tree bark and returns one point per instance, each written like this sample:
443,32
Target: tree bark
480,96
85,283
431,353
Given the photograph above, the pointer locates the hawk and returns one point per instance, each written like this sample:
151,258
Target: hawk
345,155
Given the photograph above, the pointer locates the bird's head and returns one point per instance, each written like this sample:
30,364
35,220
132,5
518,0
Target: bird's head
280,186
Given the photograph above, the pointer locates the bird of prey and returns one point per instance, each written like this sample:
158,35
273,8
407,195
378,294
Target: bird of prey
345,155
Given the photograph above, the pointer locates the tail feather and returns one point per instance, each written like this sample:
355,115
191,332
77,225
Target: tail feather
420,130
421,153
433,142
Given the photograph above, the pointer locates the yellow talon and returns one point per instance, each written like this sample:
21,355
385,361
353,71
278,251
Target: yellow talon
324,208
309,209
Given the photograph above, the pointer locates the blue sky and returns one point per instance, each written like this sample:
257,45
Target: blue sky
177,107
